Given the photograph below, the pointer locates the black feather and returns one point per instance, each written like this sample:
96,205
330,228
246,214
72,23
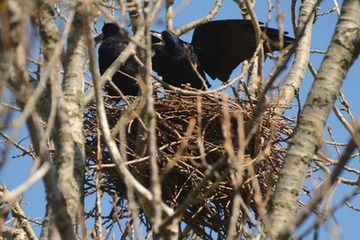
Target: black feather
222,45
176,61
114,43
217,48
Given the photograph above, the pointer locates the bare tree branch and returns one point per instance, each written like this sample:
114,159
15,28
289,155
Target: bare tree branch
302,54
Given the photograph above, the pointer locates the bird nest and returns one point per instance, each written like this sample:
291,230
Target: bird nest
200,141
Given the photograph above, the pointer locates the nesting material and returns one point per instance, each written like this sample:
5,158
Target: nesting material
198,140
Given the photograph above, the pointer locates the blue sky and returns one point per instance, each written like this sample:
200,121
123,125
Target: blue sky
16,170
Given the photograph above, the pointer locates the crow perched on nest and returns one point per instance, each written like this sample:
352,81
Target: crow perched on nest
217,48
177,62
113,44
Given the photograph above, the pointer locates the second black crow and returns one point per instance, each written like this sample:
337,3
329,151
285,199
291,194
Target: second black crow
176,61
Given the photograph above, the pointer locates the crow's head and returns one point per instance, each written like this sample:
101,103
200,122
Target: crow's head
110,30
167,42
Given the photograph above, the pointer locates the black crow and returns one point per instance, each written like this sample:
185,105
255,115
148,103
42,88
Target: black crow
222,45
113,43
217,48
176,61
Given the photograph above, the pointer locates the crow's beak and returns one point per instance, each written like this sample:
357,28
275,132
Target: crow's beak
156,37
98,38
157,41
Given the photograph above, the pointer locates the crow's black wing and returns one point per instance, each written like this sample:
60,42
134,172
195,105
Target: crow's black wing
222,45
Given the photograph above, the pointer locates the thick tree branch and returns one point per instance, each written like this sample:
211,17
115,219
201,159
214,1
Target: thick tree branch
322,191
307,139
55,197
302,54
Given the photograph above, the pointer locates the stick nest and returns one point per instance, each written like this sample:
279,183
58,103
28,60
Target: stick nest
199,154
